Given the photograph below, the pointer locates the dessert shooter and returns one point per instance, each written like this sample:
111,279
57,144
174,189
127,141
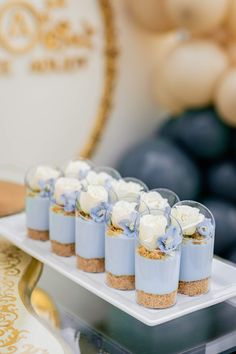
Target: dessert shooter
198,228
78,168
157,260
120,245
91,213
102,176
39,186
159,198
128,188
62,216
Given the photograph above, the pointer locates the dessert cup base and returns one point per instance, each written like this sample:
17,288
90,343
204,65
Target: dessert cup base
193,288
91,265
155,301
121,282
38,235
63,249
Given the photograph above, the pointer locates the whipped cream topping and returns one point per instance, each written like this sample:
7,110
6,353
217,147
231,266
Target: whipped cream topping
65,185
42,174
152,200
151,227
126,190
91,198
188,218
77,169
122,210
97,178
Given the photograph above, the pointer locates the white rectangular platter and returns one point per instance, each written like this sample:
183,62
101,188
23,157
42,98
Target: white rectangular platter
223,285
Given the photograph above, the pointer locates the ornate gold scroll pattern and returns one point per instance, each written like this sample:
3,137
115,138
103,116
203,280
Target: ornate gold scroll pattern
10,260
111,54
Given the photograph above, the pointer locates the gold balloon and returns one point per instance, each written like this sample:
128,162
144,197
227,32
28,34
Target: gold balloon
191,71
225,97
198,16
150,14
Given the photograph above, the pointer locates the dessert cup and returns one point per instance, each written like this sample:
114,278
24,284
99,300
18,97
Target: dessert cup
77,168
62,216
197,252
120,248
38,190
157,264
91,212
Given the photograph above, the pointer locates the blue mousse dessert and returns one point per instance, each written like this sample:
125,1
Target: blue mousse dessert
120,246
62,216
91,214
198,228
39,186
157,261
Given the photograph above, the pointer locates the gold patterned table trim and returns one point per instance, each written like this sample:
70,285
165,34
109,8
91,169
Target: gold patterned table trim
21,331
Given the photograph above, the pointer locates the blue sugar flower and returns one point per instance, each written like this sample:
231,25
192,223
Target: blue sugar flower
170,241
101,212
46,188
205,228
69,200
130,225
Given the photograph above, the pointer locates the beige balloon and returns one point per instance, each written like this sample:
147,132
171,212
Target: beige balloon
164,46
150,14
191,71
225,97
231,18
198,16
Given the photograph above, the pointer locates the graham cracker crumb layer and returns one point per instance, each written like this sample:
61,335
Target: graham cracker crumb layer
156,301
193,288
91,265
154,254
38,235
63,249
58,209
121,282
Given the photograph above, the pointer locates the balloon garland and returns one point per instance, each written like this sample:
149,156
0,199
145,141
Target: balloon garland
196,66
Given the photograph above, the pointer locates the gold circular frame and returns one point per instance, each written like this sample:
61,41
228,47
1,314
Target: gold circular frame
111,53
30,9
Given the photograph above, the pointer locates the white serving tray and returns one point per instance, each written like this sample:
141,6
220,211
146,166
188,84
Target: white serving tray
223,285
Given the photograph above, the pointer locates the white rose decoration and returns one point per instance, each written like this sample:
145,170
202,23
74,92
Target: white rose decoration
99,178
122,210
64,185
126,190
152,200
188,218
77,169
150,228
92,198
42,173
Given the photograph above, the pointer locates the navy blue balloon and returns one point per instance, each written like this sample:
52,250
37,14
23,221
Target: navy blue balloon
225,216
160,163
231,255
222,180
200,131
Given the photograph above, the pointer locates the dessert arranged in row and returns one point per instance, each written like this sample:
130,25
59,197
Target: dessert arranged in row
147,240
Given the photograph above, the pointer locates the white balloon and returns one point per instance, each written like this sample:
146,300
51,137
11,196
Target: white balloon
225,97
197,15
150,14
191,71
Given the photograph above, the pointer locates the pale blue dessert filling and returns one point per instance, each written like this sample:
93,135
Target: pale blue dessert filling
157,276
119,254
90,238
196,259
61,227
37,213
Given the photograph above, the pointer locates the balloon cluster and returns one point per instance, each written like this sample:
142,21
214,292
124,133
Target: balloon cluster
194,155
196,63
